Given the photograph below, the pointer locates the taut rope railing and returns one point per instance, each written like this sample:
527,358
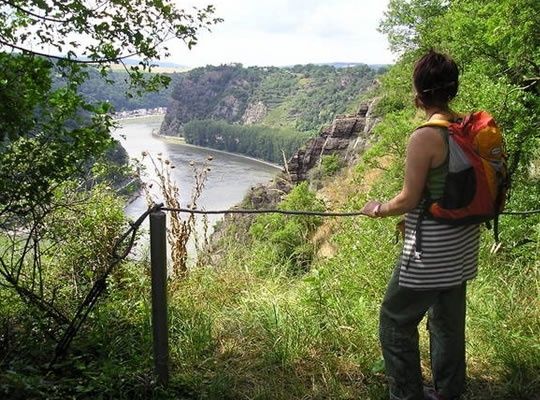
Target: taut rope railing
267,211
302,212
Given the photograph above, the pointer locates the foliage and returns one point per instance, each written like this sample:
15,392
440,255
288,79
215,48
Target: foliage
331,164
62,134
55,260
252,140
497,45
49,131
51,136
288,238
108,32
406,21
116,85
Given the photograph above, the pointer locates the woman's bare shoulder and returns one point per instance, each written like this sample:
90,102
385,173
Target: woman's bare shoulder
426,135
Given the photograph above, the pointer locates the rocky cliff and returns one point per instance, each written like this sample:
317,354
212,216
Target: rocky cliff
346,137
220,93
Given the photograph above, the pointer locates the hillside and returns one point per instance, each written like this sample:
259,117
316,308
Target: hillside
116,90
299,98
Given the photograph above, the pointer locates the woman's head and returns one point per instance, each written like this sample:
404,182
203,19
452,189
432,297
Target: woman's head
435,80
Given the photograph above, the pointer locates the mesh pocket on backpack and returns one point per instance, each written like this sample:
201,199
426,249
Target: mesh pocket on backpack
459,189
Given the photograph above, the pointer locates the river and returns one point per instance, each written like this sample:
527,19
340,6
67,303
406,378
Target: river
230,178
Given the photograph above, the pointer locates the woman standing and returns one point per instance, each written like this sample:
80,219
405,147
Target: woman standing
431,279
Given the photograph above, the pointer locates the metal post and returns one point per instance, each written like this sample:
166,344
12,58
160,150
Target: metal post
160,330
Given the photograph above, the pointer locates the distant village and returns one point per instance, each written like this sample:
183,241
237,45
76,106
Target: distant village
141,112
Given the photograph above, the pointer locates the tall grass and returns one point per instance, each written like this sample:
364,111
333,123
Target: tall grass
274,333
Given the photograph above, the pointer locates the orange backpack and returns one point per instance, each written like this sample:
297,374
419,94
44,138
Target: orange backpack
477,181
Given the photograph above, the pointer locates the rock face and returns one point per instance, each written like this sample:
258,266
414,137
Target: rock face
347,137
220,93
255,113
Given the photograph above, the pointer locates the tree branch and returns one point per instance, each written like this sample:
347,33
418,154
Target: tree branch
32,14
73,60
31,298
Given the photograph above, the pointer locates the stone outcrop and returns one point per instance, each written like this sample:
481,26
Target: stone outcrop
255,113
347,136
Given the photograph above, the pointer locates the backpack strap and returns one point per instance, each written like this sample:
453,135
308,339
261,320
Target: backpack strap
436,123
440,123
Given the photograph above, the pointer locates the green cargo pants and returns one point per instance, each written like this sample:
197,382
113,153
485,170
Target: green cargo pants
401,312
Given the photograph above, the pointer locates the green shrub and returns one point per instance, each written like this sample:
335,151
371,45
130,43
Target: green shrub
330,164
289,235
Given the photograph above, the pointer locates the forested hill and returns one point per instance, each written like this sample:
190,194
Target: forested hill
116,87
301,98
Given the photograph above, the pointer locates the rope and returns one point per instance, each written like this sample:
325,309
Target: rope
267,211
530,212
302,212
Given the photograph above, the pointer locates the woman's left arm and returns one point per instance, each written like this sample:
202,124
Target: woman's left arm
421,149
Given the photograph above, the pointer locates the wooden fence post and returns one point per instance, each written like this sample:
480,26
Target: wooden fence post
160,326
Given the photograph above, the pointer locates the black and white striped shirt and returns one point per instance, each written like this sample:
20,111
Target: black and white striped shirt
449,254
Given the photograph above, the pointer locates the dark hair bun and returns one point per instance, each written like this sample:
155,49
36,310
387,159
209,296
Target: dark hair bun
436,79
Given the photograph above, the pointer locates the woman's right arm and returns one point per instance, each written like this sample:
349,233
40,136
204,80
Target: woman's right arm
424,146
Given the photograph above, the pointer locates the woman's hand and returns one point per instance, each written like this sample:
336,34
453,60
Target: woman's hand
372,209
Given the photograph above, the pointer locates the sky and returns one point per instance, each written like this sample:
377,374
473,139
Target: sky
288,32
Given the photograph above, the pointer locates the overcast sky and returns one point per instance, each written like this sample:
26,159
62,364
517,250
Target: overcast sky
285,32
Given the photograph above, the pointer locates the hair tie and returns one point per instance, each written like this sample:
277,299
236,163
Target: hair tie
447,85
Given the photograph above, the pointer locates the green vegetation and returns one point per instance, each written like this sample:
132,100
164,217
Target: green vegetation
331,164
287,308
252,140
59,218
300,98
117,90
284,240
280,107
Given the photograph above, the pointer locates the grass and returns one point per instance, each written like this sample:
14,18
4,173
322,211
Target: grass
272,335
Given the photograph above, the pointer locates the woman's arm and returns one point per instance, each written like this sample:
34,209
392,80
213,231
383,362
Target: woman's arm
425,145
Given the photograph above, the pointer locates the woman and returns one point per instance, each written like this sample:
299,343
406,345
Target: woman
432,280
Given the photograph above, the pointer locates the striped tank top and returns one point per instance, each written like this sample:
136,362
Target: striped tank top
449,254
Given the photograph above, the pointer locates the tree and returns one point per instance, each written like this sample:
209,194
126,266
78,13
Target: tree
497,45
103,31
49,134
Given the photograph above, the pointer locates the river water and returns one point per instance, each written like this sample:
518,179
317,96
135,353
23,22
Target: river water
230,178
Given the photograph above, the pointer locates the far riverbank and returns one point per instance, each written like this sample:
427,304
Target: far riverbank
181,140
139,114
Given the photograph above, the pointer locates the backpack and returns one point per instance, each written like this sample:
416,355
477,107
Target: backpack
477,182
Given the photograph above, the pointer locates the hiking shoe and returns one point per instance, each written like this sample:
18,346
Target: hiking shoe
431,394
